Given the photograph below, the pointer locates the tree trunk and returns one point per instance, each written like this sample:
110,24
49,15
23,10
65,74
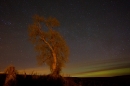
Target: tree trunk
54,63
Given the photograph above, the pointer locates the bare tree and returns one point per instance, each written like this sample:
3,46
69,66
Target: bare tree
52,48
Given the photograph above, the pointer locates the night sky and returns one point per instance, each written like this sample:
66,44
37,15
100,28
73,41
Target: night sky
96,31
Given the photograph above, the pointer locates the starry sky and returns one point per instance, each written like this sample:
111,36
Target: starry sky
96,31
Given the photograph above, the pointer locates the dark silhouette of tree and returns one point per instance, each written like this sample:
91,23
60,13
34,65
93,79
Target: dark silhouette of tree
51,47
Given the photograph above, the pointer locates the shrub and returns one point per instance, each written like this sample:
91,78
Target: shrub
10,76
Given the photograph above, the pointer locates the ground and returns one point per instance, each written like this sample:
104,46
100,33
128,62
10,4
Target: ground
47,80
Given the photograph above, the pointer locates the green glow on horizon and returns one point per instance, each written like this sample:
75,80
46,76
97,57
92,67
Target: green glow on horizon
105,73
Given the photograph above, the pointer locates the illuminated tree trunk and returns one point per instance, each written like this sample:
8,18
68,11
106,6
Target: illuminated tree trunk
54,63
54,57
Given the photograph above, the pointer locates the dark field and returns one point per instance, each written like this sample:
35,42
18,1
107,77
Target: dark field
46,80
